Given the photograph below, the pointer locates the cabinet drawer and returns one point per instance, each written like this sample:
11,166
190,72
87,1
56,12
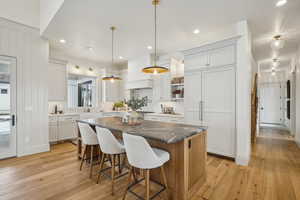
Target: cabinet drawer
69,118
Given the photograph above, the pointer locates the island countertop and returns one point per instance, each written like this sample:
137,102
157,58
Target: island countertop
162,131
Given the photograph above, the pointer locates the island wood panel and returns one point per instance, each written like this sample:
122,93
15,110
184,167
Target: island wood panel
186,169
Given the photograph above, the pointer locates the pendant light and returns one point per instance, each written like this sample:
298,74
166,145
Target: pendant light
112,78
155,69
277,42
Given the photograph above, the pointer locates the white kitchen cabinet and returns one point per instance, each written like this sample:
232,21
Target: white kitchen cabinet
211,58
67,127
53,129
210,95
113,91
57,82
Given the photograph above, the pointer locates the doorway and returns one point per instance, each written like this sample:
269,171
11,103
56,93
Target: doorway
8,133
273,101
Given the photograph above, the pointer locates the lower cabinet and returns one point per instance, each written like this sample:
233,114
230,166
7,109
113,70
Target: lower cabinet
62,128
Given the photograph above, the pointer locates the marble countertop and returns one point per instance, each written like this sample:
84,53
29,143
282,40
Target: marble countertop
162,131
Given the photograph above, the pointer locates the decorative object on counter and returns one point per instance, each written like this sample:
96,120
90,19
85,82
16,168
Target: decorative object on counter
155,69
177,80
135,104
112,78
167,109
119,106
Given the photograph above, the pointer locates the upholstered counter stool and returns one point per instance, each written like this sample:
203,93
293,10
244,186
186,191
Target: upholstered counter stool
111,149
89,139
142,156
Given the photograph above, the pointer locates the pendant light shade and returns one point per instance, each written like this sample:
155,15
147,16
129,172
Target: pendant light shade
277,42
112,78
155,69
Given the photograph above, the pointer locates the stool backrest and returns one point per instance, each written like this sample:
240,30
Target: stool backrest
88,135
139,152
107,141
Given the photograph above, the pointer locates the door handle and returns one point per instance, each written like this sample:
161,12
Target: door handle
13,120
202,106
200,111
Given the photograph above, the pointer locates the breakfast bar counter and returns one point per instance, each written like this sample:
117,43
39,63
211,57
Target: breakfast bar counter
186,170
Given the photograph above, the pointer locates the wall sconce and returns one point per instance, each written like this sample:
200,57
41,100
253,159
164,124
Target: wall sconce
90,69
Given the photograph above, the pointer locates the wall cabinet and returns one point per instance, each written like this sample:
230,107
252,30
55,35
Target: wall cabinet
211,58
57,82
210,96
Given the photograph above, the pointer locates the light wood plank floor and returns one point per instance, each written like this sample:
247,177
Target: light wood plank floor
273,174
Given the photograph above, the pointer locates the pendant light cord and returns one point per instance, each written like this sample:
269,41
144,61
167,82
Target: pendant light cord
112,46
155,33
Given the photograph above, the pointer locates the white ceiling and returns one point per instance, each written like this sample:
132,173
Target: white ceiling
22,11
86,23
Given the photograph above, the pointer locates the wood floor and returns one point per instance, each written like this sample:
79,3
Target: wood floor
273,174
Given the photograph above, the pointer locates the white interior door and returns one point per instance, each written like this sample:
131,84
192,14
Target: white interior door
270,103
218,110
8,147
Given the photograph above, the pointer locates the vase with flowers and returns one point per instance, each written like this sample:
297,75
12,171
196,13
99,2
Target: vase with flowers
136,104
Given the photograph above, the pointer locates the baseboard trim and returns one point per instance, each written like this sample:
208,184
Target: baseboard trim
35,149
241,160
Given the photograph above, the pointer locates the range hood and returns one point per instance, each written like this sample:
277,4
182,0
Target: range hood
136,78
139,84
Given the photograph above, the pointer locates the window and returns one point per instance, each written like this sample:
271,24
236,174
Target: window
81,91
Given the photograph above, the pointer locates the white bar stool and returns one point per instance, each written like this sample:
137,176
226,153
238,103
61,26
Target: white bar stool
89,139
142,156
112,148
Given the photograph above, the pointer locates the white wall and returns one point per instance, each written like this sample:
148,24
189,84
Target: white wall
26,12
297,61
243,93
48,10
31,53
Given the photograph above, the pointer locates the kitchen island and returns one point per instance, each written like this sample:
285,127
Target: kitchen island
186,170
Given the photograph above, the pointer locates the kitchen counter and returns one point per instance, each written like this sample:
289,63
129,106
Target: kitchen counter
164,132
186,170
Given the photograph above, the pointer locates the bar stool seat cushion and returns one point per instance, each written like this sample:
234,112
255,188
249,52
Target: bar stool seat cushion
162,155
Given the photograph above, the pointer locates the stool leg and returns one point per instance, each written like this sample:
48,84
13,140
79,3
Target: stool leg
163,174
82,159
119,163
101,166
113,173
129,182
147,184
91,169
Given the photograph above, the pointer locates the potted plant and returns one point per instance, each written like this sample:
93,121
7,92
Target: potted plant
135,104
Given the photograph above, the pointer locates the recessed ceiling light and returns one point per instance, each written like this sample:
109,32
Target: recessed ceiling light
281,3
63,41
196,31
120,57
90,48
149,47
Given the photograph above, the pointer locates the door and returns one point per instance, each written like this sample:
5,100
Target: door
192,96
218,110
270,103
8,138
